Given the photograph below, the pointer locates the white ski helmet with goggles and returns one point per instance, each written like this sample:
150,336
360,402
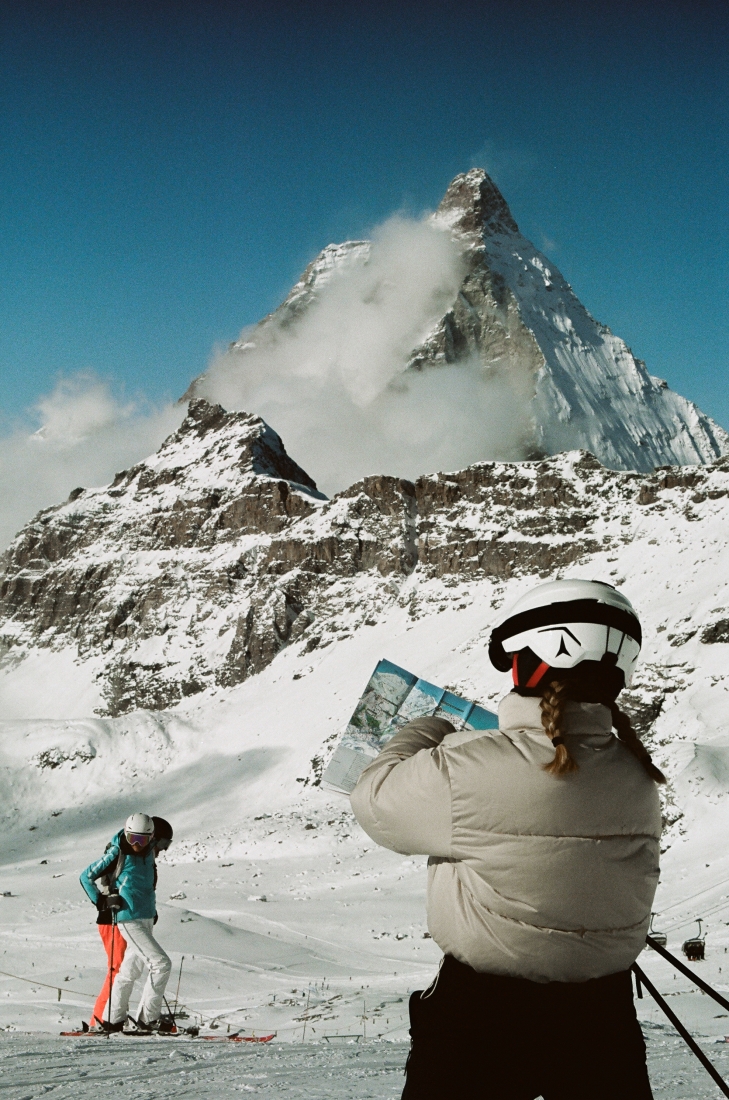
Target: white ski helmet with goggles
140,826
562,625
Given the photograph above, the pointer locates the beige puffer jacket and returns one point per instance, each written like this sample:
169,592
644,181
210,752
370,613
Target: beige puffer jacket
529,875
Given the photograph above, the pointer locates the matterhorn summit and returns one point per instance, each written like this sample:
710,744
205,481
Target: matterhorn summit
516,323
517,312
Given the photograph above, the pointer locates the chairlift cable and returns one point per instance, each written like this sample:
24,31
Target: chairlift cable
710,912
692,897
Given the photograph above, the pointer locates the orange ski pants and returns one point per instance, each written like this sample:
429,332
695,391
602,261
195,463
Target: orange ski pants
107,931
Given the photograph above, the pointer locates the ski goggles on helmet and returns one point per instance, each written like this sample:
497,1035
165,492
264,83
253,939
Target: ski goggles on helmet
564,625
138,838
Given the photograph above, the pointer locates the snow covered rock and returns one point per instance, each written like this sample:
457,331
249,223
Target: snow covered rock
126,574
194,569
517,313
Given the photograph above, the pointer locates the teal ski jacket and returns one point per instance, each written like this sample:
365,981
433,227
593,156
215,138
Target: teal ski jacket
135,881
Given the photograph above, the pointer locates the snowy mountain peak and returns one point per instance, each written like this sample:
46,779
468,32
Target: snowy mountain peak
518,316
130,568
226,443
564,380
474,204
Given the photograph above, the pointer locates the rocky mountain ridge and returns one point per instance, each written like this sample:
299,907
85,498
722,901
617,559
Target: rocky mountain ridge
194,569
589,390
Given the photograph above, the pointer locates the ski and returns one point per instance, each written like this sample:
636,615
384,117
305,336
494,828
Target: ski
191,1034
135,1034
167,1033
239,1038
84,1030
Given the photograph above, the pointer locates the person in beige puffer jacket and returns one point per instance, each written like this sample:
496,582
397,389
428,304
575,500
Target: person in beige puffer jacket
543,838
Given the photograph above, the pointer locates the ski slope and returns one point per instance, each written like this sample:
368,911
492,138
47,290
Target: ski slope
150,1069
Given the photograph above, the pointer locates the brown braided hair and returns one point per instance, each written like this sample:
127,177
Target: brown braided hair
630,739
552,705
554,697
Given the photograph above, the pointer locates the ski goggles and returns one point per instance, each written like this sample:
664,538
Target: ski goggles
138,838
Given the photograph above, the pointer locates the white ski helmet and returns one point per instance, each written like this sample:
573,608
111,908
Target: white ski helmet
562,625
138,825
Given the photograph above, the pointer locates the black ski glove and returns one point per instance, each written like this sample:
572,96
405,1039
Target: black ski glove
109,903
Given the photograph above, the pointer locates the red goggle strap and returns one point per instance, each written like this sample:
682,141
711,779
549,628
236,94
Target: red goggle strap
535,677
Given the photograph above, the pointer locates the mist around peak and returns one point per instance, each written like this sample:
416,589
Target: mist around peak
81,434
335,385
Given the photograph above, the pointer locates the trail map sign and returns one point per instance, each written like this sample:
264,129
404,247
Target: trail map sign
393,697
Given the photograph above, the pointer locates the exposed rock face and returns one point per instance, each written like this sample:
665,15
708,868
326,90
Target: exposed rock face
474,205
197,566
519,320
111,570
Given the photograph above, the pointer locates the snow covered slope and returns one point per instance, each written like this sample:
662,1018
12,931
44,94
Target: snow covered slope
519,321
190,640
236,769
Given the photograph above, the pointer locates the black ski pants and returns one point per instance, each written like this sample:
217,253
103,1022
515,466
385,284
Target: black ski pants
485,1037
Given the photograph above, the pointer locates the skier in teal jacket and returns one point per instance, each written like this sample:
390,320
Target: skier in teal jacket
130,861
135,881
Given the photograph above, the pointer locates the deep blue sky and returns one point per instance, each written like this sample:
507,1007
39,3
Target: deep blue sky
167,169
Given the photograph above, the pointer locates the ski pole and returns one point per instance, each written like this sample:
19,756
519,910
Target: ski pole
179,979
167,1006
688,1039
111,970
688,973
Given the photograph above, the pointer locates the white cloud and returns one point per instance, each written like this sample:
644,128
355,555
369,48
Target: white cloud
84,436
333,383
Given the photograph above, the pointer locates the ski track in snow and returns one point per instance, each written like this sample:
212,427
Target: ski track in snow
34,1066
146,1069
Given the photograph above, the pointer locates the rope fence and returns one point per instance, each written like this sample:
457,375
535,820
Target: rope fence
58,988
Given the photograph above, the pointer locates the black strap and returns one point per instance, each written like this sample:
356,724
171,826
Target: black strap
116,872
570,611
558,740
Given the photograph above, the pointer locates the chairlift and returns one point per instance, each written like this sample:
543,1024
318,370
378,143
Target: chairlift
695,948
658,937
